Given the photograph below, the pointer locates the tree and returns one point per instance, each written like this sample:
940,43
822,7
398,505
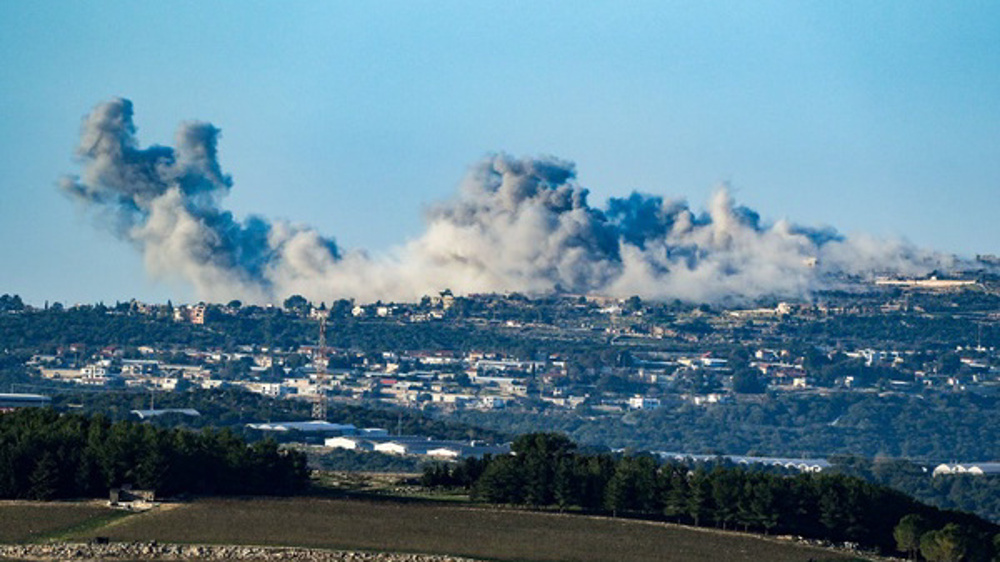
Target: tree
699,498
296,360
948,544
538,455
567,488
632,487
726,488
949,363
633,304
501,482
618,494
296,303
746,381
11,303
907,534
45,478
341,308
763,505
436,474
596,472
673,491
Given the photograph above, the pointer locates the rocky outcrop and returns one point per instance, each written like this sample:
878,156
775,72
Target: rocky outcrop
158,551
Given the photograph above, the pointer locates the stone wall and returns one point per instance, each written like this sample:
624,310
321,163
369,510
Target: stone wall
157,551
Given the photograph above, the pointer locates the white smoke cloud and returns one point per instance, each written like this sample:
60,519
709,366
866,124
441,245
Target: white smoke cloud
516,225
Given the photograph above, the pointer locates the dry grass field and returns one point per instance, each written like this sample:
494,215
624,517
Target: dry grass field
443,529
31,521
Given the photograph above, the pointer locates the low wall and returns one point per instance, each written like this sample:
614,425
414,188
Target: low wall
156,551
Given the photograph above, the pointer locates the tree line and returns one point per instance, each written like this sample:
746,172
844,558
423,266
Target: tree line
547,470
965,492
47,455
930,427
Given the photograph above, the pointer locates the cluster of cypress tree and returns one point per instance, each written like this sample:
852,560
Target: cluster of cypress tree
545,469
47,455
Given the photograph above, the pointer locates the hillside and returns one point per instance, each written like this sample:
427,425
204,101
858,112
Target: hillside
494,534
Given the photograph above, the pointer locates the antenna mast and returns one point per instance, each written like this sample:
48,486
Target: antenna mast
319,361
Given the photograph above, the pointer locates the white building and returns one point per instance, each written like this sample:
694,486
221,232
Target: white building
492,402
314,426
974,469
349,442
12,401
643,403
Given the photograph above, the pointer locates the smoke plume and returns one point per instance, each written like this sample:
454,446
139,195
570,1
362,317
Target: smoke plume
516,225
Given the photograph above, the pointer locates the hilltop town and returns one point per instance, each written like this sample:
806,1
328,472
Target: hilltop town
586,354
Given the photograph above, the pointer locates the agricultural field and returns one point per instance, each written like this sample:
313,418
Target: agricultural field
22,521
420,527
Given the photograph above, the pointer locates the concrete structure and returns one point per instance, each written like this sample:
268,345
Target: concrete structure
13,401
132,499
415,445
974,469
439,449
146,414
802,465
933,283
642,403
350,442
492,402
315,426
408,447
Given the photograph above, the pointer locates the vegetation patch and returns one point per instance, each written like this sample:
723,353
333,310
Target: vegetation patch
45,455
446,529
544,470
34,521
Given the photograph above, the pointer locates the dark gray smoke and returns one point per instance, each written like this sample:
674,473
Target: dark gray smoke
516,225
167,201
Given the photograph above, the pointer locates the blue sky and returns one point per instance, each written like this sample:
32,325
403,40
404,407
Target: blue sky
353,117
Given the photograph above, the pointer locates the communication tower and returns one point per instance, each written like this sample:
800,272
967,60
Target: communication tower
319,361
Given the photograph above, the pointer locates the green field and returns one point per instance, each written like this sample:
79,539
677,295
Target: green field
443,529
22,522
